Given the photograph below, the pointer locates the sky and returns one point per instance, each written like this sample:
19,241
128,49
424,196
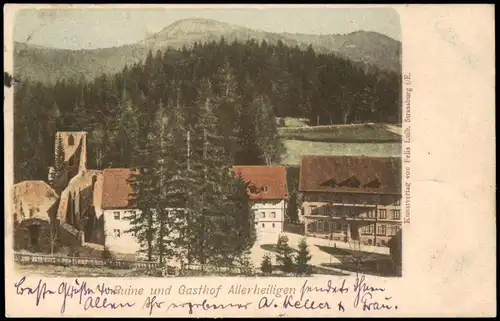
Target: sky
101,28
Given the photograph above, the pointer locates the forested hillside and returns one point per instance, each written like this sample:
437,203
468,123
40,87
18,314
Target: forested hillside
246,84
50,65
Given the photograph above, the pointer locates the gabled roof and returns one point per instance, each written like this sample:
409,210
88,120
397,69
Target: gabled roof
116,190
374,174
266,182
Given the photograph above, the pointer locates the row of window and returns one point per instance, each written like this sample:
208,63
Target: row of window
264,224
353,200
323,226
128,215
396,214
263,215
381,229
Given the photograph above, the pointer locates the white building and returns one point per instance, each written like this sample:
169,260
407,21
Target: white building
117,212
268,194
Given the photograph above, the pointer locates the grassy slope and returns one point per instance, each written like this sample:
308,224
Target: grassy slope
339,140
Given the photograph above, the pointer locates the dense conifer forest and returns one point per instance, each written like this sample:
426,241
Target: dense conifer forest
241,87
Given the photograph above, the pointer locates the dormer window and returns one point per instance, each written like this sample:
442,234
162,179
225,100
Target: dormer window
373,184
351,182
71,140
329,183
252,189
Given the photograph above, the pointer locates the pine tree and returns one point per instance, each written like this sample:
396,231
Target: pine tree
227,102
292,210
284,256
266,131
144,182
59,160
239,226
210,169
181,183
124,132
303,257
266,266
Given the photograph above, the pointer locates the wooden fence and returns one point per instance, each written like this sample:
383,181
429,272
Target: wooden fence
85,262
211,269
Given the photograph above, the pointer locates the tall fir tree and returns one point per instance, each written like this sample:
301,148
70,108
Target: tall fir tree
303,258
284,256
59,158
292,209
144,182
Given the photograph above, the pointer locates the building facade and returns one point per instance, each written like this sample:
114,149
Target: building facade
351,198
268,197
117,212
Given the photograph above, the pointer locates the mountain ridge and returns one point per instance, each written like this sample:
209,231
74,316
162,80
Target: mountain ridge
36,62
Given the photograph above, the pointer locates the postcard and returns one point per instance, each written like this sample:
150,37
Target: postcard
249,160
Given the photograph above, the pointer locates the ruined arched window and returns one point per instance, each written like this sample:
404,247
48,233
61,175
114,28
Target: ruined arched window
71,140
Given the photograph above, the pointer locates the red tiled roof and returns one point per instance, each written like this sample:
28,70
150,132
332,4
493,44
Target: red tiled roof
274,177
328,173
116,189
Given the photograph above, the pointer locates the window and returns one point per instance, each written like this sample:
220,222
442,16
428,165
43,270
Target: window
398,202
371,214
394,230
116,215
396,214
273,215
263,225
116,232
130,215
369,229
313,209
262,215
383,214
382,230
71,140
382,242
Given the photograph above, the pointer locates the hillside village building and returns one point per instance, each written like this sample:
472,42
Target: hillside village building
351,198
117,212
90,209
268,195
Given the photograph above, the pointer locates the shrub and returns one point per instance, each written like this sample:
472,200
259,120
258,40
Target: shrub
266,266
106,254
